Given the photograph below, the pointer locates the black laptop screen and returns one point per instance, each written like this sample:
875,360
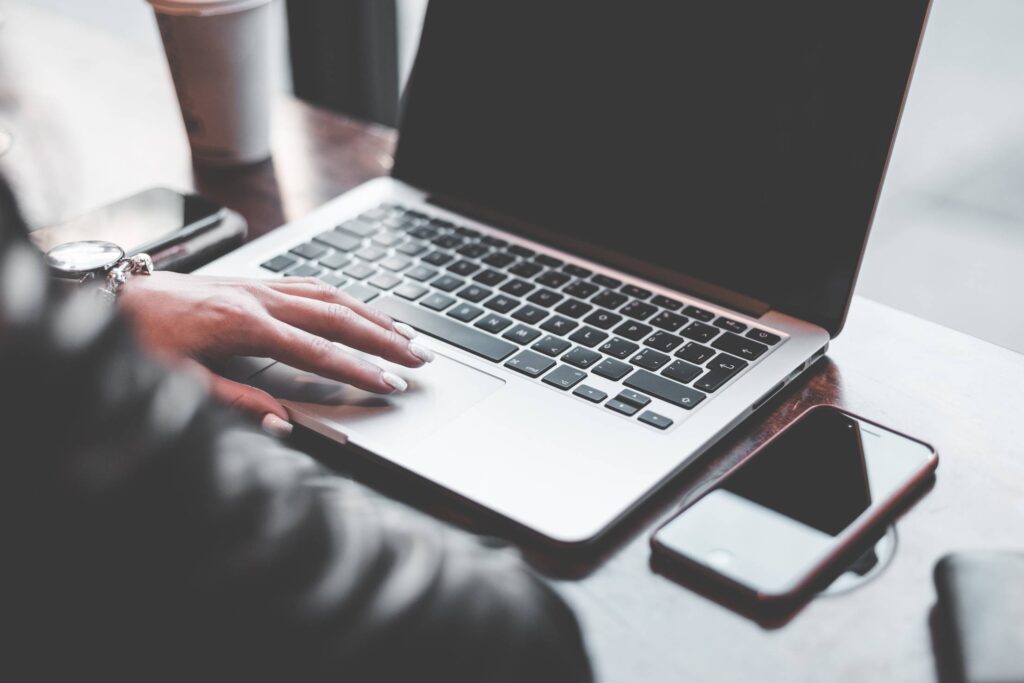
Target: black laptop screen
739,142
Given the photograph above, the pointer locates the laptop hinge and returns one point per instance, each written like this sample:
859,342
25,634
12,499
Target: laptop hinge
716,294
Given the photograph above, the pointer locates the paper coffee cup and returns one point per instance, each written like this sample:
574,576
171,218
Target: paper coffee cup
219,55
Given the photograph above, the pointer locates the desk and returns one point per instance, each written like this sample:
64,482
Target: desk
95,119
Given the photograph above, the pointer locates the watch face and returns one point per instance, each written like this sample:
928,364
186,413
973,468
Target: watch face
79,258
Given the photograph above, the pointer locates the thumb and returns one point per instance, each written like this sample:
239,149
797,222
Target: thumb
255,403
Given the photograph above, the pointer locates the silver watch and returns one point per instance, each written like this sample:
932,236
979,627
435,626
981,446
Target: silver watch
97,261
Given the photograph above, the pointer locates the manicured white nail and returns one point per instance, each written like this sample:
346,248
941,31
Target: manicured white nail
406,331
275,426
394,381
421,352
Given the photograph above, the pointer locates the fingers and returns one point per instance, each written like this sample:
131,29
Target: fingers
313,353
340,323
311,288
255,403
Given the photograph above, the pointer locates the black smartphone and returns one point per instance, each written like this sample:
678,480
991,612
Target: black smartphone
148,221
797,505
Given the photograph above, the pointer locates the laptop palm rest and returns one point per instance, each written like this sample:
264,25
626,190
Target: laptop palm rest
438,393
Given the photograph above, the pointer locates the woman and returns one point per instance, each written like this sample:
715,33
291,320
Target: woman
150,534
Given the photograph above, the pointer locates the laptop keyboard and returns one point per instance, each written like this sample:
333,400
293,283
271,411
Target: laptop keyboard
551,321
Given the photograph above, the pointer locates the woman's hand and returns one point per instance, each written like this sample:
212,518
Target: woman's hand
293,320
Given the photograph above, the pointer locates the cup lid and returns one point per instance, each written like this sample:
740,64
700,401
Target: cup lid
202,8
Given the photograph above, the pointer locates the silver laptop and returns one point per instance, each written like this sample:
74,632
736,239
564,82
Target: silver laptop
622,229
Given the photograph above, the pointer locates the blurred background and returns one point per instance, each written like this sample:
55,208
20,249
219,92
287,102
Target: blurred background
948,239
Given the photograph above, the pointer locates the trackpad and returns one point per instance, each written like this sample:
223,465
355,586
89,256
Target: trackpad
438,393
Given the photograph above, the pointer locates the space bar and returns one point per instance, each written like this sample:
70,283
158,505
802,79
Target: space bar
466,338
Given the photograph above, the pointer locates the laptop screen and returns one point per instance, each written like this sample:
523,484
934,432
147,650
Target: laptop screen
740,142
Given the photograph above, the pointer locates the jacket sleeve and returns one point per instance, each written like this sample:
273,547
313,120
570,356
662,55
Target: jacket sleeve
151,535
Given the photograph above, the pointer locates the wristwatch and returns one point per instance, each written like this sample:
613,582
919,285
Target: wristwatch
98,262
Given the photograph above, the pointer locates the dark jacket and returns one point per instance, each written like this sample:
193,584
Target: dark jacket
150,534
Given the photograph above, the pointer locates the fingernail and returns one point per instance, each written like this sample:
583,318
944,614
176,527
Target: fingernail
406,331
275,426
421,352
394,381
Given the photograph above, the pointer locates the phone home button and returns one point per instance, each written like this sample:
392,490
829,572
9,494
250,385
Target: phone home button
719,557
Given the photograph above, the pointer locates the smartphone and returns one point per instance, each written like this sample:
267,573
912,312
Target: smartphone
148,221
804,499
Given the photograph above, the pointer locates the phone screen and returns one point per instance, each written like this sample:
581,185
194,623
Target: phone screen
137,223
784,512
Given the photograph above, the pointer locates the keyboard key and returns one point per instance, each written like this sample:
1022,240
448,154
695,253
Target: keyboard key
358,228
549,261
699,332
731,325
437,258
521,251
559,325
650,359
384,280
463,267
411,291
633,398
551,345
723,368
581,289
746,349
609,299
492,323
361,292
465,312
545,297
386,239
681,371
359,271
665,389
309,250
602,319
473,250
573,308
333,279
412,248
727,363
699,313
763,336
517,287
371,253
502,303
564,377
448,242
530,314
605,281
460,336
619,348
638,310
581,357
590,393
447,283
499,259
467,232
474,293
668,321
635,292
618,406
612,369
530,364
494,242
521,334
421,273
553,278
576,271
695,353
339,240
588,336
278,263
526,269
395,263
490,277
665,302
305,270
334,261
663,341
423,232
632,330
651,418
437,301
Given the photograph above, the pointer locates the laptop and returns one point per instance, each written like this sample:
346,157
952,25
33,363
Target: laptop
621,227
